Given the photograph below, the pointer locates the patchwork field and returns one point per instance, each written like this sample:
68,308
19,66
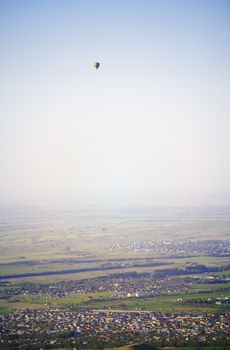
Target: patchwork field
114,264
50,235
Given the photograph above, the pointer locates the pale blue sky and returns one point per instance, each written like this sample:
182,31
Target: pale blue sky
150,126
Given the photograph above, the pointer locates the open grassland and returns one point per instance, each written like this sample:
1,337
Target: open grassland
211,287
135,347
203,347
195,347
70,269
163,303
223,273
206,260
44,267
81,273
5,309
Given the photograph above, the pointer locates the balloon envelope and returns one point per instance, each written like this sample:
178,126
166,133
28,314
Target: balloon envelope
96,65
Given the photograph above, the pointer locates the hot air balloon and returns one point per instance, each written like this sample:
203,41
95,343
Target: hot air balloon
96,65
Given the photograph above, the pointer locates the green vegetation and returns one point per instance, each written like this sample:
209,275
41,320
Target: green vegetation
197,299
136,347
204,347
162,303
222,273
37,268
211,287
5,309
189,347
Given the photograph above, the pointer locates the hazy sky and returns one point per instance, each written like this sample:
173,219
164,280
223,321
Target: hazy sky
151,125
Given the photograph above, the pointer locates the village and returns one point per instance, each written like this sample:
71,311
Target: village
115,307
86,328
131,284
50,328
175,248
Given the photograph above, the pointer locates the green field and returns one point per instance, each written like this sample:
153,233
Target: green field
165,303
53,266
195,347
5,309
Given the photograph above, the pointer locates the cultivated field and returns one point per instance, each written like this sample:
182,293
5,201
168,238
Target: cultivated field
166,261
51,235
